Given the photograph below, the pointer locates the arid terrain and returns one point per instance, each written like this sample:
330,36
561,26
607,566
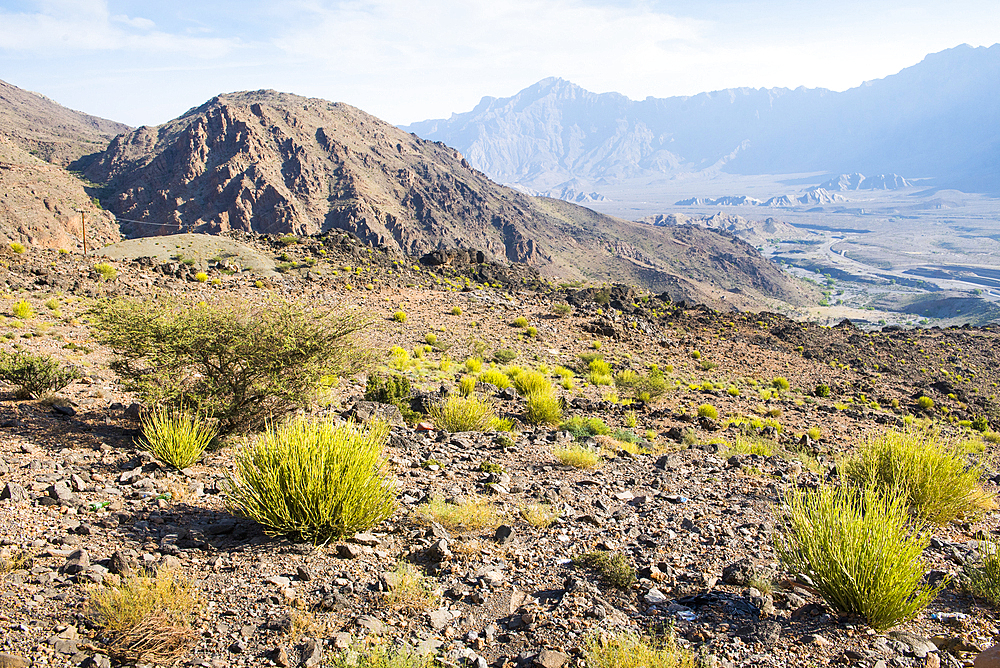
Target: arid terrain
693,516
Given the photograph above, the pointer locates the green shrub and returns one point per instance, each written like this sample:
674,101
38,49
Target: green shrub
504,356
539,515
22,310
456,310
473,365
583,428
981,424
241,362
107,272
467,515
431,338
387,389
519,321
626,650
495,377
859,550
983,579
35,375
695,355
176,438
288,240
814,433
925,403
822,391
314,480
627,379
531,382
17,247
600,372
466,385
399,316
733,391
531,332
543,408
708,411
456,414
933,476
614,568
750,446
707,365
201,277
382,655
562,310
780,383
577,456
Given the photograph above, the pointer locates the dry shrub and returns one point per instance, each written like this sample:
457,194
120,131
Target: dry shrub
146,618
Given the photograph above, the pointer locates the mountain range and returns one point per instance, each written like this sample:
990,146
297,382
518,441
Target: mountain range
938,120
276,163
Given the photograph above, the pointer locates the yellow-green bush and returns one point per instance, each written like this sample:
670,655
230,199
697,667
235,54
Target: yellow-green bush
314,480
708,411
22,310
934,476
543,408
399,316
577,456
860,550
106,271
176,438
626,650
457,413
531,382
983,578
474,365
17,247
495,377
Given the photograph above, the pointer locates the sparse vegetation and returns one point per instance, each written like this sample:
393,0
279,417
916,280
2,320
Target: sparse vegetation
626,650
22,310
583,428
399,316
495,377
17,248
314,480
925,403
408,590
983,578
539,515
859,549
469,515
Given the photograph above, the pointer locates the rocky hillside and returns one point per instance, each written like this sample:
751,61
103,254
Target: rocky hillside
754,232
491,528
40,204
272,162
50,131
936,119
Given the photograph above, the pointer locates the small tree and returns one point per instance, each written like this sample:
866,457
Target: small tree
35,374
239,362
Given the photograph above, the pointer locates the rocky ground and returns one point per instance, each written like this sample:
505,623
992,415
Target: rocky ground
82,504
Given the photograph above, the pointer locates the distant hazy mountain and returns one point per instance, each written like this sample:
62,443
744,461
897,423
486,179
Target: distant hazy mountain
939,119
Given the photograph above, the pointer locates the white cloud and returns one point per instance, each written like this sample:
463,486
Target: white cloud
73,26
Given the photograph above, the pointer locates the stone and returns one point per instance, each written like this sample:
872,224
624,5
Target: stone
918,646
123,562
280,657
13,661
764,633
504,534
13,492
549,658
371,624
656,597
439,551
279,581
303,573
78,562
439,619
348,551
341,640
989,658
740,573
312,653
366,539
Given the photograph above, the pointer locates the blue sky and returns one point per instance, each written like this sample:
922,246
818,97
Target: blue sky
148,62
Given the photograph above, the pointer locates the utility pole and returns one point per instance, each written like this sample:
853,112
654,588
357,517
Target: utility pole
83,226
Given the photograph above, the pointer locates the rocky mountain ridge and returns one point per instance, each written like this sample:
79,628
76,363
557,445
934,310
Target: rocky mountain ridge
276,163
936,119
